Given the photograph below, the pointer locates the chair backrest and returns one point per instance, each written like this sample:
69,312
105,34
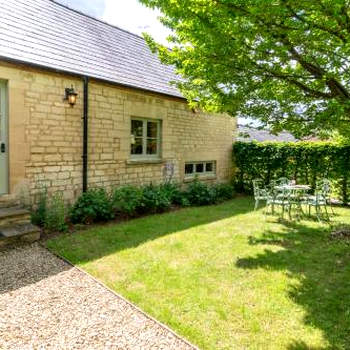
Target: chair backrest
259,189
272,186
257,184
323,188
282,181
277,182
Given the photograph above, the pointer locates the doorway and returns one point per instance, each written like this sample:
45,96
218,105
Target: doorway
4,149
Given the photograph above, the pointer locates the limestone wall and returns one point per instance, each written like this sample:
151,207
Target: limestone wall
45,134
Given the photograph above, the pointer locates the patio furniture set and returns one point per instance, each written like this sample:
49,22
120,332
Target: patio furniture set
293,198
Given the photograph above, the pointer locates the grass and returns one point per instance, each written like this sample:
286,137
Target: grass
224,278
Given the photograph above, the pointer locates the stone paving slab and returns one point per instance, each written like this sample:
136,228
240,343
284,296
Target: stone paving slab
46,303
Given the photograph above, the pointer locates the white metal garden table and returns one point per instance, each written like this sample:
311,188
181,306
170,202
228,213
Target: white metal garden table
293,195
293,188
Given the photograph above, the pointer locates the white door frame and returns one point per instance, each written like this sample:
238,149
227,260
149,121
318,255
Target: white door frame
4,144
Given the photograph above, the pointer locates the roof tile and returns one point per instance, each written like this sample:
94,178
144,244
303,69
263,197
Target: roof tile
48,34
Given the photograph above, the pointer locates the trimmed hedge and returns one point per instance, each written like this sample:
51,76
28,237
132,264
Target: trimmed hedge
306,162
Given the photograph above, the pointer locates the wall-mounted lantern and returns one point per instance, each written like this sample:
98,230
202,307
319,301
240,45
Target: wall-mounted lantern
71,96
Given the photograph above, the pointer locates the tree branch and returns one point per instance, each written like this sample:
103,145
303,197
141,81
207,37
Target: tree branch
307,90
336,87
344,12
311,25
329,14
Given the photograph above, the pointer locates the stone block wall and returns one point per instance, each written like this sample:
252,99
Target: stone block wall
45,134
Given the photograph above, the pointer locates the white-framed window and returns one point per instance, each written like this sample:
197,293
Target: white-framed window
145,138
200,168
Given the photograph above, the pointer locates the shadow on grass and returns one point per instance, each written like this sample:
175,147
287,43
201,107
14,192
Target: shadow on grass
323,268
300,345
97,242
31,263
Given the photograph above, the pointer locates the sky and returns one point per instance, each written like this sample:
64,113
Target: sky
126,14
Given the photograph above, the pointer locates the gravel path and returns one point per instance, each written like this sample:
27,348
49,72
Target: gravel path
47,304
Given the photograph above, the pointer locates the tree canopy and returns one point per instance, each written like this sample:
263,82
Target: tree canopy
284,62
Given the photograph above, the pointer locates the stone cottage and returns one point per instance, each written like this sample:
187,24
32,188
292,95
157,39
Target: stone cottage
85,104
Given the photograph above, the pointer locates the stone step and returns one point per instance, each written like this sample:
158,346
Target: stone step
7,200
15,234
14,215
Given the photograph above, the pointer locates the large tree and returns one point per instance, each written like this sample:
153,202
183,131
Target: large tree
284,62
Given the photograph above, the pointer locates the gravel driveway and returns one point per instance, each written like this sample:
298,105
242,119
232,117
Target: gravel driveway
47,304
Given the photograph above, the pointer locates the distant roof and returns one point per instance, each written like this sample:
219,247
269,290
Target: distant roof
49,34
247,134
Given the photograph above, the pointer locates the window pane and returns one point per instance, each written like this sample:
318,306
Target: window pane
189,168
199,168
137,148
209,167
151,146
137,127
152,129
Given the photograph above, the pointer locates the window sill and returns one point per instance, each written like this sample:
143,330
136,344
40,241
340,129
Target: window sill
144,161
201,178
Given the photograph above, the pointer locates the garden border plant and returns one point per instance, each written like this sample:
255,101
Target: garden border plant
128,201
50,212
306,162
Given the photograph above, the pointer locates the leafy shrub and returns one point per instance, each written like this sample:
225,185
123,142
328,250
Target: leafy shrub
224,192
38,213
131,200
155,199
175,194
127,200
96,205
199,193
92,206
55,218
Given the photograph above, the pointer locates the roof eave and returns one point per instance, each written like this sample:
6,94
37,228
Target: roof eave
62,71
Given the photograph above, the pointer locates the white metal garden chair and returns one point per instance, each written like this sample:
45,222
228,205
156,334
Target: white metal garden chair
279,199
320,199
261,193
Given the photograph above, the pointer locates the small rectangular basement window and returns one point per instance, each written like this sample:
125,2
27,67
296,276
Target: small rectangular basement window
200,168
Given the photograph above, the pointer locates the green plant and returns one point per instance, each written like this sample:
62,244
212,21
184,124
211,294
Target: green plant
224,192
127,200
55,218
92,206
175,194
38,212
306,162
155,199
199,193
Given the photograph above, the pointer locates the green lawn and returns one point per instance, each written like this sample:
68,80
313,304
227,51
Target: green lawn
225,278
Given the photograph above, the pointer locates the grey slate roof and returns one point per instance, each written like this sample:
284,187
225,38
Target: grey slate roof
248,134
48,34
